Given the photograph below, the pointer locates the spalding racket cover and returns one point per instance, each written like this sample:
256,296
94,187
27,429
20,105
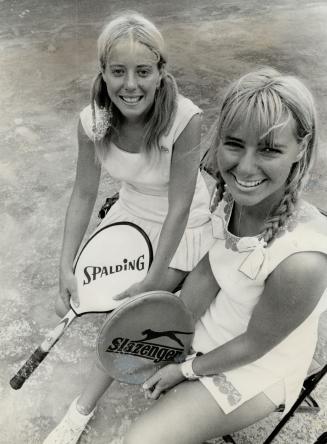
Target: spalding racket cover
115,257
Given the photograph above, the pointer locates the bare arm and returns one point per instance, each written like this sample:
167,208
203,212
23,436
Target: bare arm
291,293
183,175
200,288
79,211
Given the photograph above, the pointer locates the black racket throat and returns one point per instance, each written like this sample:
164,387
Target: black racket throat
78,315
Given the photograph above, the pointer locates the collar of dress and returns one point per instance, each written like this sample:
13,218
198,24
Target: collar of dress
254,245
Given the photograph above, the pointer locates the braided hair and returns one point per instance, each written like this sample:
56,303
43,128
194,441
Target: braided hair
267,100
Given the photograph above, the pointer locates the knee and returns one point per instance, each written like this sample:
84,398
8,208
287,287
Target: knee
142,435
131,438
135,438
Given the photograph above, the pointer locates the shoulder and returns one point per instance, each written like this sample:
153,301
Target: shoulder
185,106
87,121
304,265
185,111
299,257
306,230
308,216
300,277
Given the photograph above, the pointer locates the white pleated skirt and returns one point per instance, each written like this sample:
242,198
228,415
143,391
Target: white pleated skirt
194,244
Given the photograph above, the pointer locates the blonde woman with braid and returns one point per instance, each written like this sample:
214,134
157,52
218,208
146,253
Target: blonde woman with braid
147,136
258,293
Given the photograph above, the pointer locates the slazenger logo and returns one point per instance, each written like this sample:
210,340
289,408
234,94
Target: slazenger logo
92,272
149,350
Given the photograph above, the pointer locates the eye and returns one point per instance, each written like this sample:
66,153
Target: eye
117,72
231,144
144,72
270,150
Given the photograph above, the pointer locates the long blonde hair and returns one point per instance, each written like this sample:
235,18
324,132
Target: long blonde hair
141,30
266,100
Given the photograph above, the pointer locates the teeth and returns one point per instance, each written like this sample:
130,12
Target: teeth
250,183
131,99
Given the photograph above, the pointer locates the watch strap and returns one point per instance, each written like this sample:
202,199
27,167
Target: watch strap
187,369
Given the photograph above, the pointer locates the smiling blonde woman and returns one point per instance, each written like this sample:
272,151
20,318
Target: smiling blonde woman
147,136
258,293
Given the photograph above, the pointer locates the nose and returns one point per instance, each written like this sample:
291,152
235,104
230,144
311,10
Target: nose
130,81
247,164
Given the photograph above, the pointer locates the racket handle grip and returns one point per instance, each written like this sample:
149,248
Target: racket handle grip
28,368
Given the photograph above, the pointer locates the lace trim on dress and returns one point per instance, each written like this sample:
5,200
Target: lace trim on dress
227,388
303,214
233,242
255,245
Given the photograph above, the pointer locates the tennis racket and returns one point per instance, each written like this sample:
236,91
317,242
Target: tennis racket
115,257
142,335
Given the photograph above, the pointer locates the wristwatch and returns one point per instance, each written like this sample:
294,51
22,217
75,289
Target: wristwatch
187,370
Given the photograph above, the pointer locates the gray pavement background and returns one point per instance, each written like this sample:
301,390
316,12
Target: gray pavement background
47,61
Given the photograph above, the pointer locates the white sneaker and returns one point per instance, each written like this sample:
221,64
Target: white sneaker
70,428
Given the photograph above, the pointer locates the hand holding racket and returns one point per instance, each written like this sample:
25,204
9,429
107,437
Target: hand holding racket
133,290
67,292
114,258
163,380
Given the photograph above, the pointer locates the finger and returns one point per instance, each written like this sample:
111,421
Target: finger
153,380
74,297
60,307
65,298
147,394
158,390
72,290
120,296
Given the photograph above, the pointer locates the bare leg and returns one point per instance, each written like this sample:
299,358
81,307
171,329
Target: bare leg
81,410
98,382
188,414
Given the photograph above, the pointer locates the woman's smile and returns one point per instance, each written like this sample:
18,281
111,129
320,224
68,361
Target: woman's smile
253,183
131,100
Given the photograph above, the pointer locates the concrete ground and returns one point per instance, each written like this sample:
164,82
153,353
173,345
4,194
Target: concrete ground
47,57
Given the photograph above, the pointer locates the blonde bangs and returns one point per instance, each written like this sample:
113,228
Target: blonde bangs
261,111
135,27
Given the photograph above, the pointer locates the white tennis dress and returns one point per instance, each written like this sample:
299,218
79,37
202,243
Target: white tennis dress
241,266
143,197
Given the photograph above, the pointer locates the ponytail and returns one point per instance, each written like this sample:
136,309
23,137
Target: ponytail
163,112
99,93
